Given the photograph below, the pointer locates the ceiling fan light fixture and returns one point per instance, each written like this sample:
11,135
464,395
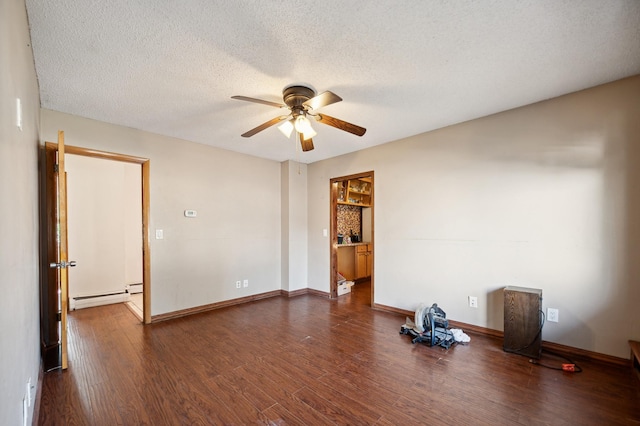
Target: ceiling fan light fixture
286,128
309,134
303,126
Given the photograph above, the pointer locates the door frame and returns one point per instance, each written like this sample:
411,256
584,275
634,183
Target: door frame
333,241
146,253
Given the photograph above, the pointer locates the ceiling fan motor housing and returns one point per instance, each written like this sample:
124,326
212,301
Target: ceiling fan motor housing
295,96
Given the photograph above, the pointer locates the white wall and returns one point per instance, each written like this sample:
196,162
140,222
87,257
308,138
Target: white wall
544,196
132,199
236,234
19,304
104,204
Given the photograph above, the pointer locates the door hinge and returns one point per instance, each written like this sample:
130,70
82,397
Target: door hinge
55,168
58,316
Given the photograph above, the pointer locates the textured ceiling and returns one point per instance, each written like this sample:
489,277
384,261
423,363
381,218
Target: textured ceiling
170,67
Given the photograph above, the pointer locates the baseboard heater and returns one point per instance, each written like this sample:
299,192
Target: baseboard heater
81,302
134,288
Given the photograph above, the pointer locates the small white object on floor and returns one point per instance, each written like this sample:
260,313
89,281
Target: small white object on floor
460,336
345,287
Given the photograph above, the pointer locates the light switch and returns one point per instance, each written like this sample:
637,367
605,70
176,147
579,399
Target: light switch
324,232
19,113
159,234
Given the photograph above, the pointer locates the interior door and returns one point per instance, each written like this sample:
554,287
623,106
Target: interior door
63,258
55,292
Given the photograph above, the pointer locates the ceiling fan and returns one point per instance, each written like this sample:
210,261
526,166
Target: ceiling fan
302,103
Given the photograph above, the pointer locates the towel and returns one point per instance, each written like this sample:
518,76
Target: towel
460,336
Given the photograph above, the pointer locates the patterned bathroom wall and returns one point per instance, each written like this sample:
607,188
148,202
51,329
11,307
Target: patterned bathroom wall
349,218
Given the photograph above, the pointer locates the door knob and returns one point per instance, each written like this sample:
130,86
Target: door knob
63,265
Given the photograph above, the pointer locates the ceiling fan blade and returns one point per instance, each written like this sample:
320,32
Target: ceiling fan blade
323,99
307,145
259,101
264,126
340,124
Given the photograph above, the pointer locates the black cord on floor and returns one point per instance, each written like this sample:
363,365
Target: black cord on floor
568,366
535,338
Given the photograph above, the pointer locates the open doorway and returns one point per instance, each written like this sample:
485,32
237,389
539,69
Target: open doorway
352,232
104,205
53,289
137,286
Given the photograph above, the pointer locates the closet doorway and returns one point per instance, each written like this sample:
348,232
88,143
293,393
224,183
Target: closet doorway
352,231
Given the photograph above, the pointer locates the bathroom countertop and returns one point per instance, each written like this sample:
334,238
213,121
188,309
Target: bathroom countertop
353,244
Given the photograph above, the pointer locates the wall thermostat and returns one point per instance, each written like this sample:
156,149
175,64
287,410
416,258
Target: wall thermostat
190,213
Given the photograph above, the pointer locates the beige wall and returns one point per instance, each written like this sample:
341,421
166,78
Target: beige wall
294,225
544,196
236,234
19,304
540,196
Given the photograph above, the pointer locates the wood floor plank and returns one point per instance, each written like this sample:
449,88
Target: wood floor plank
351,383
278,415
235,401
61,402
254,394
273,382
358,402
312,361
206,405
290,372
341,414
282,391
104,407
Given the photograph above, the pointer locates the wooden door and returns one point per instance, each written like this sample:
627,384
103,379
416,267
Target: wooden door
63,258
54,290
49,298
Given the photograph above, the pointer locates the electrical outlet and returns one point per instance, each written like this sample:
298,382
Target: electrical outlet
552,314
473,302
246,283
238,284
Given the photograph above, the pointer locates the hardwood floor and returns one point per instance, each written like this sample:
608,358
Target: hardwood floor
312,361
